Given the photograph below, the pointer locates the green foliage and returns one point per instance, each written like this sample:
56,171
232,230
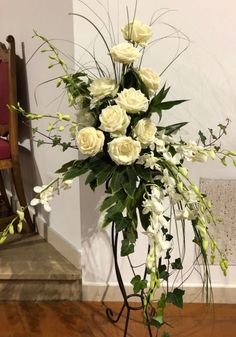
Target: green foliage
176,297
177,264
138,284
165,334
162,272
127,248
132,79
173,128
158,319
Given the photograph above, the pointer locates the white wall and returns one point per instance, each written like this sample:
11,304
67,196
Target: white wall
49,18
205,74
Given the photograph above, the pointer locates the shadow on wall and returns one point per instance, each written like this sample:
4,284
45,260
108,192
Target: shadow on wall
29,169
96,241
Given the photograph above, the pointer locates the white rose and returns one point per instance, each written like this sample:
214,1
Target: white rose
114,120
133,101
137,32
90,141
144,131
102,87
150,79
124,53
124,150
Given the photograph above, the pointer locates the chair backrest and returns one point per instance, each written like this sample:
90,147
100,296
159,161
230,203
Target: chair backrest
8,94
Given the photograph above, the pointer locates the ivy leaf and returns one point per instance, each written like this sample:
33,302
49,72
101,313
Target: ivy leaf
158,319
177,264
40,142
203,138
176,297
165,334
56,141
127,248
162,272
138,284
122,222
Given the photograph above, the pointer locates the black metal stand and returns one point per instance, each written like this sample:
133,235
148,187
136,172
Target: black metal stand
126,304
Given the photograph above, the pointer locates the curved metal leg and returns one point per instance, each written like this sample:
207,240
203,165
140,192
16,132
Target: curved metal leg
109,312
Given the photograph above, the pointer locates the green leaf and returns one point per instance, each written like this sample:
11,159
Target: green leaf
171,128
127,248
162,272
56,141
91,177
117,179
138,284
158,319
129,181
65,146
170,104
74,172
157,99
177,264
133,80
107,202
176,297
104,174
203,138
122,222
143,173
165,334
65,167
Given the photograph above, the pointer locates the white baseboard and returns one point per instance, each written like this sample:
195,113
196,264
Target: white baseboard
66,249
193,294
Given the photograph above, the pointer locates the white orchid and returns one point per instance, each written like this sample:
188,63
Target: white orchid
45,194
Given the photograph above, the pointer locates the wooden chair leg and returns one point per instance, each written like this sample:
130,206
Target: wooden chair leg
4,194
16,174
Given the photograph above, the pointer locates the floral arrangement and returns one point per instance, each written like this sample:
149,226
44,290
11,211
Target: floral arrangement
140,162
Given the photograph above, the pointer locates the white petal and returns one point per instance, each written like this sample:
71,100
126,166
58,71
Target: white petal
47,207
34,202
38,189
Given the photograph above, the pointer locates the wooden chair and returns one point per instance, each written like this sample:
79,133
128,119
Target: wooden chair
9,151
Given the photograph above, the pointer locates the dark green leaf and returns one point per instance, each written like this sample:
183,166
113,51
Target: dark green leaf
170,104
177,264
129,181
56,140
162,272
202,137
176,297
138,284
65,167
74,172
104,174
122,222
126,247
165,334
117,179
65,146
90,178
143,173
107,202
172,128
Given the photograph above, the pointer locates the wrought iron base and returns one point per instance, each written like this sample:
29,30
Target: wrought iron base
129,307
